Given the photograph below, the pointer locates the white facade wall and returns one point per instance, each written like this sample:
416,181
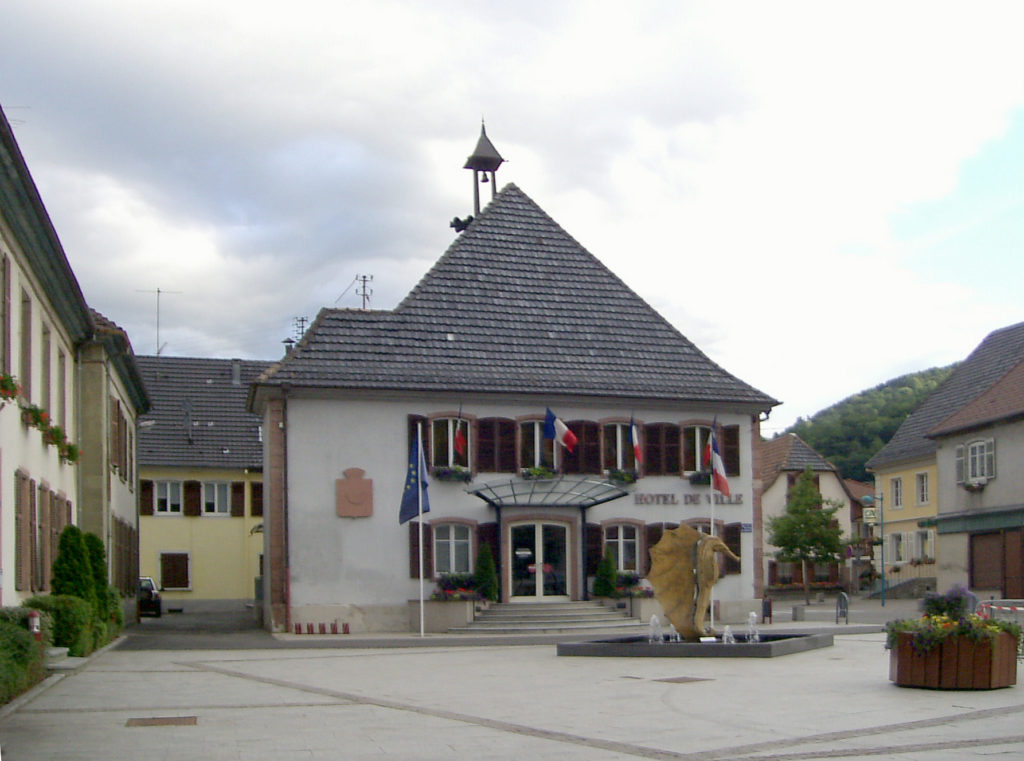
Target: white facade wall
357,570
22,447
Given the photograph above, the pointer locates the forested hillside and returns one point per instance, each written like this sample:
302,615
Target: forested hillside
848,433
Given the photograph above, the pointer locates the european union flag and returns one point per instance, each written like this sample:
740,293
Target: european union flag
410,507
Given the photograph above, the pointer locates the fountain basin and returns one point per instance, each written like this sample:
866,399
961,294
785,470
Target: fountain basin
770,646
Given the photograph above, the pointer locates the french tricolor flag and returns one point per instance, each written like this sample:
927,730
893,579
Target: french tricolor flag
711,455
634,439
555,429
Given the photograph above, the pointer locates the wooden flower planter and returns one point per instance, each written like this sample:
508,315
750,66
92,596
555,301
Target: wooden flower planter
957,663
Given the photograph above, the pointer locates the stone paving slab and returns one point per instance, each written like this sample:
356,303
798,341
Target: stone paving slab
486,701
505,703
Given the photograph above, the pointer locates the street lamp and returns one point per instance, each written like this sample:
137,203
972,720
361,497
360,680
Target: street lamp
869,501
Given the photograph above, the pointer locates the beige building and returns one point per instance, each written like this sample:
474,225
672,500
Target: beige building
69,396
201,490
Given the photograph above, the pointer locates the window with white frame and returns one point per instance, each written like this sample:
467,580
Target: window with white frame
167,497
924,544
452,548
617,453
620,540
921,488
450,442
534,450
896,493
695,440
216,498
976,461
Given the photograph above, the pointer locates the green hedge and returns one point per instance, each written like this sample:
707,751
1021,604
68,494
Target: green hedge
21,658
74,622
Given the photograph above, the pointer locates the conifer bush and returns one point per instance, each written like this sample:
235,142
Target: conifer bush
72,570
485,576
606,578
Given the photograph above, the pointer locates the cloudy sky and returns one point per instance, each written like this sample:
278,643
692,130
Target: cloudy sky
821,196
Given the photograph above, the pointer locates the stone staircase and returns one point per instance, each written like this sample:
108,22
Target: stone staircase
548,618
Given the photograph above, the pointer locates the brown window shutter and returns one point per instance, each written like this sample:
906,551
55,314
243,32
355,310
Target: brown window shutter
595,542
256,497
23,539
193,506
5,321
33,539
45,556
731,535
237,499
145,497
652,535
414,553
174,570
413,420
731,451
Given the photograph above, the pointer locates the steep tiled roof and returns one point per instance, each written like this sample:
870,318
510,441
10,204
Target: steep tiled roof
514,305
788,453
199,417
119,349
1004,401
990,361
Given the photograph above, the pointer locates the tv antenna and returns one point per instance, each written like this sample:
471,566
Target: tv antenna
158,291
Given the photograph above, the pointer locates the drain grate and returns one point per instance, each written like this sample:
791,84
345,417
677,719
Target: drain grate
682,679
163,721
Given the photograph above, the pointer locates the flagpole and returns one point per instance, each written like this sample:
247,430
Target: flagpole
419,497
711,484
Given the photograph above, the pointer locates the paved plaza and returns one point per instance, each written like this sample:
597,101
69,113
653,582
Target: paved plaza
406,698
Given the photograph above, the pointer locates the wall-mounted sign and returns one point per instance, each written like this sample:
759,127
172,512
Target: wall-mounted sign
641,498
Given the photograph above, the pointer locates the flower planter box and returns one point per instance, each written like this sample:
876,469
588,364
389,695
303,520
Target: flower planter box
957,663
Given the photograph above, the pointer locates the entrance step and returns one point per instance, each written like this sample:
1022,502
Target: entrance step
550,617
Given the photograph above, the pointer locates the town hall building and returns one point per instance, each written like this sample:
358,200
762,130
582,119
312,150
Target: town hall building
514,320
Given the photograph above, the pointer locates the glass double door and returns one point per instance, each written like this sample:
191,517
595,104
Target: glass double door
539,561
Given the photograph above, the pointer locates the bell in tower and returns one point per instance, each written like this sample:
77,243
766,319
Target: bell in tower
483,161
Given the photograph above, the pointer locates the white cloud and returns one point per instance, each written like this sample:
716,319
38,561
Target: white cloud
739,165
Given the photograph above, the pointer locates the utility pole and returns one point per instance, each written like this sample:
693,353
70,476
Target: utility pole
366,291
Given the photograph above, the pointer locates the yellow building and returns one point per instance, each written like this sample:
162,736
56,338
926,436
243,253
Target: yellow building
201,487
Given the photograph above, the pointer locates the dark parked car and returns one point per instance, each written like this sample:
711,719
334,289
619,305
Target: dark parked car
149,598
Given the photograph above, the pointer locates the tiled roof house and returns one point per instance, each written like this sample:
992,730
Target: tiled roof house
515,318
979,447
782,460
201,471
908,475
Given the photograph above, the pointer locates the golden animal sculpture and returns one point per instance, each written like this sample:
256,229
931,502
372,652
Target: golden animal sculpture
684,570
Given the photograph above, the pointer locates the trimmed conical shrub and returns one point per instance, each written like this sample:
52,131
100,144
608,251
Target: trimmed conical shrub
72,570
100,585
485,577
606,578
